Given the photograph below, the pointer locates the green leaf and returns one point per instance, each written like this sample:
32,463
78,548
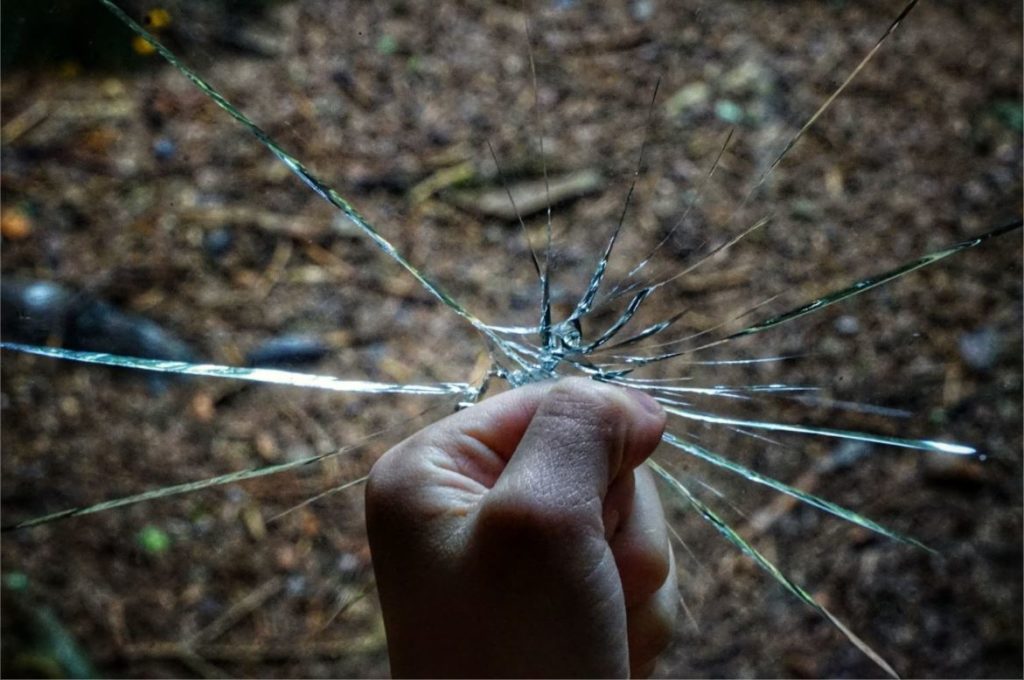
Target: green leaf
153,540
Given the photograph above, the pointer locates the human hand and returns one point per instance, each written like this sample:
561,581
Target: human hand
519,538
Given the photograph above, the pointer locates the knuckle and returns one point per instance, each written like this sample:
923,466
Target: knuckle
586,403
382,479
390,480
512,522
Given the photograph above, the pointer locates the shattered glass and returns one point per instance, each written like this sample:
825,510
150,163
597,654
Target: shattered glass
700,320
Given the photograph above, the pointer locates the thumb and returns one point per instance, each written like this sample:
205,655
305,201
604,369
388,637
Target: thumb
583,438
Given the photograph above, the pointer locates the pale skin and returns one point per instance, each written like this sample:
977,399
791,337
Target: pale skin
521,538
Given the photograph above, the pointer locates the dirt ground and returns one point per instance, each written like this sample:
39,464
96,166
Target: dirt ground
128,186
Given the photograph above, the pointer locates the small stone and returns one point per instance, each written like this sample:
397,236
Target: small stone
203,407
164,149
288,351
286,558
688,99
254,525
217,242
747,78
980,349
15,580
348,564
33,311
844,456
805,209
15,224
113,87
70,407
847,325
729,111
641,10
387,45
192,594
295,585
310,524
94,325
266,447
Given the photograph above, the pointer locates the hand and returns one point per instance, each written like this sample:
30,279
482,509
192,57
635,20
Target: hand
519,538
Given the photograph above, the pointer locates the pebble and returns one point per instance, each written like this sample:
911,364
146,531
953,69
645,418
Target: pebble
164,149
286,558
387,45
252,518
746,79
218,242
348,564
100,327
37,312
847,325
203,407
15,224
641,10
33,311
267,447
729,111
296,585
845,455
288,350
980,349
688,99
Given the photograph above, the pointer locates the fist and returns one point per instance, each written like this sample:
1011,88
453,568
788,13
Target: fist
520,537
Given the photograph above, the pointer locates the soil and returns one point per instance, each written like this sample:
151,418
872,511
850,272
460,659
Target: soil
131,188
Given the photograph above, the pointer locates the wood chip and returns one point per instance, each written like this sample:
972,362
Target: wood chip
530,196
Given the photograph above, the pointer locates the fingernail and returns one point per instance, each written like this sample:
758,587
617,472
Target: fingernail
646,402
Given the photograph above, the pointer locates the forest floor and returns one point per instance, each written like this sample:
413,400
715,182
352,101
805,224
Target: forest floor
130,187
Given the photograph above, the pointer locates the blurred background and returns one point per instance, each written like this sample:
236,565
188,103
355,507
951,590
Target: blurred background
138,218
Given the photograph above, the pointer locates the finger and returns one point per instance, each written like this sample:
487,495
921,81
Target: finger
583,436
650,625
641,545
452,463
